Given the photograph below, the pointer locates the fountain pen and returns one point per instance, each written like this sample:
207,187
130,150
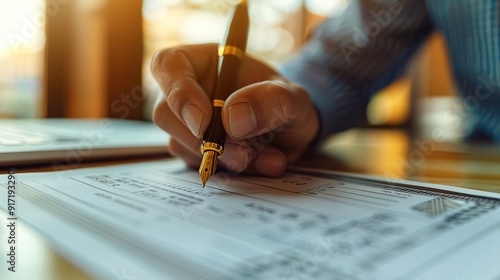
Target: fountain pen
230,55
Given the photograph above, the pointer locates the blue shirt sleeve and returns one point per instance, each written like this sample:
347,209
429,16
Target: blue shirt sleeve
353,55
471,29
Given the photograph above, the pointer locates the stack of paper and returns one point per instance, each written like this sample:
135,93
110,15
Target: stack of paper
154,221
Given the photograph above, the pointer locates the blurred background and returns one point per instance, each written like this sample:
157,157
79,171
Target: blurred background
90,58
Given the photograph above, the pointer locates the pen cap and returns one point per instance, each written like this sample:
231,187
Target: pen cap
231,52
237,32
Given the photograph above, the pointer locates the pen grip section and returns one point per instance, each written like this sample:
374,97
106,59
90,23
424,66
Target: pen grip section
215,132
228,71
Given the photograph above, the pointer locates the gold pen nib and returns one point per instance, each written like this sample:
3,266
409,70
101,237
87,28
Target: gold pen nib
208,166
211,152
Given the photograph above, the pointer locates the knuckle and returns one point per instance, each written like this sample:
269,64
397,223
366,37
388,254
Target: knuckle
283,104
157,115
158,61
163,58
285,99
178,93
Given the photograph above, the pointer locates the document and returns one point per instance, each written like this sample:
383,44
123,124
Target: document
153,220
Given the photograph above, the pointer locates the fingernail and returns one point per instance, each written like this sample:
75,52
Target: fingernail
242,119
271,164
192,116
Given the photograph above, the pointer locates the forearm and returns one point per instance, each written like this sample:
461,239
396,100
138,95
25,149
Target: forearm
341,70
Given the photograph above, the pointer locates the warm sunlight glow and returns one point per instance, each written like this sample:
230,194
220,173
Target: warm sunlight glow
21,25
326,7
22,42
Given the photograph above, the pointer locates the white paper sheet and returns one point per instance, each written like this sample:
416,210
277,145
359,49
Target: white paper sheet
154,221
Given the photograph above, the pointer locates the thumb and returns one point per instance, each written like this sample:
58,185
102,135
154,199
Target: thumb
261,107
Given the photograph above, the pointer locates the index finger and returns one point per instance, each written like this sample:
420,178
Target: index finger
186,75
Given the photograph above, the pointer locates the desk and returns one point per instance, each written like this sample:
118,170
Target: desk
386,153
393,154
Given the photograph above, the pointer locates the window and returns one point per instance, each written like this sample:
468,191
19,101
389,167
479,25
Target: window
86,73
277,29
22,43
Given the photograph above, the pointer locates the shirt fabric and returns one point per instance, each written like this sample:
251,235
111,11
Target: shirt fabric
353,55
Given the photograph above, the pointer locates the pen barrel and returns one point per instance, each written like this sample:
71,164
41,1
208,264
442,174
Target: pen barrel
215,132
228,72
231,53
237,32
225,85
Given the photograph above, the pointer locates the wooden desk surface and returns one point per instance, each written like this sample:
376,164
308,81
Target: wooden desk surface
386,153
392,154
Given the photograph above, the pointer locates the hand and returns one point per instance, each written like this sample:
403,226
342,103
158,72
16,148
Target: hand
269,120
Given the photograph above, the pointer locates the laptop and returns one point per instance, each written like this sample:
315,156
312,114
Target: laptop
71,141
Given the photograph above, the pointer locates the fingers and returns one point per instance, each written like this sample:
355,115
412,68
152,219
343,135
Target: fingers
240,156
165,118
269,121
186,75
270,162
259,108
274,112
237,158
191,158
